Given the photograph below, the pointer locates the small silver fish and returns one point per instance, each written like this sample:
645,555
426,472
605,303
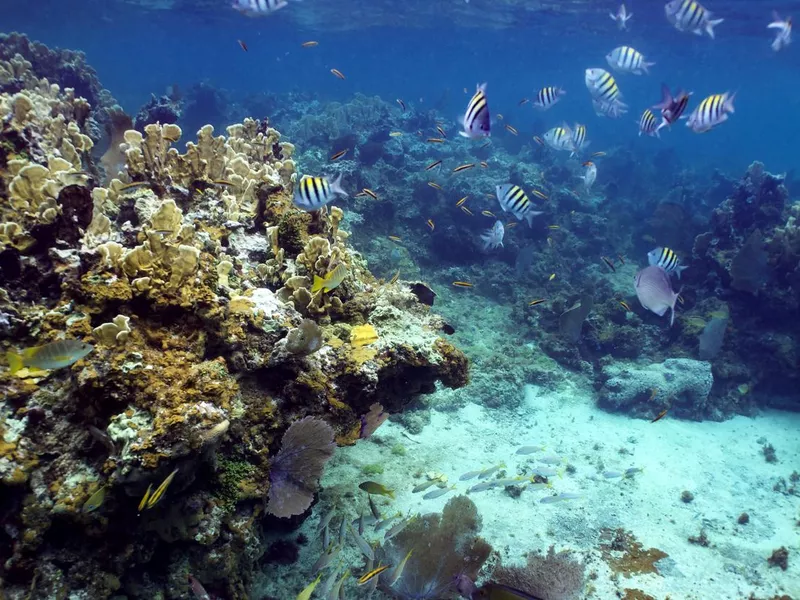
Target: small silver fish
560,497
525,450
633,471
469,475
397,528
326,559
551,459
424,486
544,471
482,487
612,474
438,493
362,544
491,470
384,522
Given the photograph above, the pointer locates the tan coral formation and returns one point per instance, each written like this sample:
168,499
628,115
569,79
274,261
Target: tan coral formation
187,271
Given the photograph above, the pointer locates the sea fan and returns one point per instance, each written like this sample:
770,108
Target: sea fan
295,472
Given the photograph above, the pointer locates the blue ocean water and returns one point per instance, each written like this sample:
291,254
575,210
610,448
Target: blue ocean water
526,387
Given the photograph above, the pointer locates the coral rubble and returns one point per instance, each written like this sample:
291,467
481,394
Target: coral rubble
191,274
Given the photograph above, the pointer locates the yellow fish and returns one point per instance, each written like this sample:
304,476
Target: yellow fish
552,276
331,281
309,589
396,134
371,574
372,487
95,501
159,493
363,335
55,355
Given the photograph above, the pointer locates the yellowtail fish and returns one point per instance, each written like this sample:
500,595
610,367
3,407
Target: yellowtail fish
463,167
145,498
560,497
598,154
338,73
464,284
156,496
460,202
402,104
309,589
535,303
95,501
395,575
370,193
361,194
370,574
554,226
223,183
339,154
424,486
523,102
466,210
55,355
436,140
433,165
394,278
621,258
511,224
332,280
430,224
488,213
434,185
491,471
512,130
372,487
484,164
441,131
539,195
396,134
552,276
135,184
625,305
469,475
363,335
609,263
438,493
538,140
309,44
396,238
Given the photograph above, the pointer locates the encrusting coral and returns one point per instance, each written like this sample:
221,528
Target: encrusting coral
191,273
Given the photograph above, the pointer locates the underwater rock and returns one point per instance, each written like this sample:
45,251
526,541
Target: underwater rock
681,385
712,337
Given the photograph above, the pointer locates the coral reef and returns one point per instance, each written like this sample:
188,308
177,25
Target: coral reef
552,576
626,555
681,385
190,272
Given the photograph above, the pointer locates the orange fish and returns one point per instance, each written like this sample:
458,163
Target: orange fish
463,167
535,302
625,305
462,284
511,224
552,276
538,140
441,131
395,238
621,258
488,213
338,73
431,225
661,415
484,164
653,394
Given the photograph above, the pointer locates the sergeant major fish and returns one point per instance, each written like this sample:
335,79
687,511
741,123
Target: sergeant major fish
548,96
258,8
559,138
514,200
628,60
647,123
622,17
666,259
711,112
690,15
493,238
477,121
606,96
579,143
312,193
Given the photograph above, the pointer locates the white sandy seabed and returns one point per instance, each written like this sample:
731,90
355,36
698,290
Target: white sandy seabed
721,464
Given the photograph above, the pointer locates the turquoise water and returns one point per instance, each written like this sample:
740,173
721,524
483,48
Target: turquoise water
703,410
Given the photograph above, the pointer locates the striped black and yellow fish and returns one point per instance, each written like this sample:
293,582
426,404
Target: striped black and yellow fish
312,193
513,199
711,112
666,259
690,15
579,142
547,97
606,96
647,123
628,60
477,121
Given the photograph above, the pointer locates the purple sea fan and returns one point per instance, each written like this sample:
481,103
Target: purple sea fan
295,471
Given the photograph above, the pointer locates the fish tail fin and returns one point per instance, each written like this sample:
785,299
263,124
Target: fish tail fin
530,216
666,97
646,66
336,186
318,284
710,24
612,16
728,104
680,269
15,362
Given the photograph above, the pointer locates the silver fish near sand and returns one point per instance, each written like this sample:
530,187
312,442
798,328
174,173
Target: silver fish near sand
612,474
544,471
654,290
525,450
438,493
469,475
560,497
690,15
493,238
